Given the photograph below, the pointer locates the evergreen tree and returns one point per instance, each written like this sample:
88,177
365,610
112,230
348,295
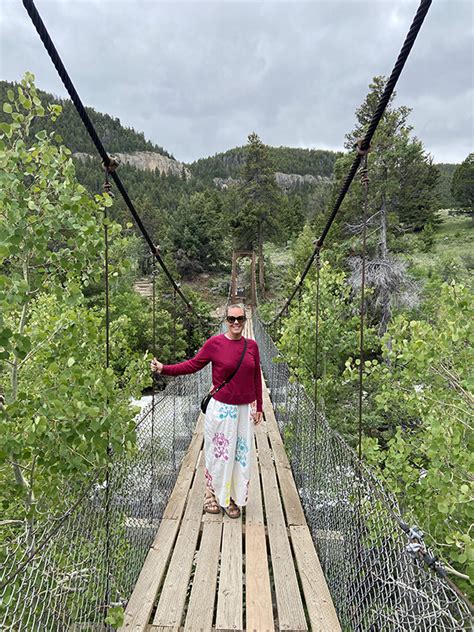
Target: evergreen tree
462,187
196,235
258,215
402,175
402,198
443,190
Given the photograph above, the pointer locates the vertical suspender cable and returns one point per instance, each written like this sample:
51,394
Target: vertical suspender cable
108,547
365,184
174,390
316,335
298,432
316,355
153,390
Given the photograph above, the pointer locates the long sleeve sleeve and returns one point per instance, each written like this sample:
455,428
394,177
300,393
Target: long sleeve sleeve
258,380
203,357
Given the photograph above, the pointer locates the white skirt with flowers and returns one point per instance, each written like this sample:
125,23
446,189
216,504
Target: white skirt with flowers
228,442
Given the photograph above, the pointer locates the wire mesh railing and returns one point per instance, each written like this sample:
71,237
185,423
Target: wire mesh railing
87,561
376,585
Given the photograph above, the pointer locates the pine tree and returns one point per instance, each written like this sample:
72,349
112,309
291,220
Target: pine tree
403,183
260,198
462,186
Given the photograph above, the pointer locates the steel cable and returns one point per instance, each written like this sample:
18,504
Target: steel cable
63,74
365,142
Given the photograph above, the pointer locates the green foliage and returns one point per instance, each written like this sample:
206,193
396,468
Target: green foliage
115,616
402,176
51,250
417,411
338,341
292,217
462,187
424,384
260,199
198,234
443,188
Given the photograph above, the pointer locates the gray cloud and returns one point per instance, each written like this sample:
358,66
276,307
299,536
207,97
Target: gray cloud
197,77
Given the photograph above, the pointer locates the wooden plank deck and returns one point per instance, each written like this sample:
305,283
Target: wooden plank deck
259,573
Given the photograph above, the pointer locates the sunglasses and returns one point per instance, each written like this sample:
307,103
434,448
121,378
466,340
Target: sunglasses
235,319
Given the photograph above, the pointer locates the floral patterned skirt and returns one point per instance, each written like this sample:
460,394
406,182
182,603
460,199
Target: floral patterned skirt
228,441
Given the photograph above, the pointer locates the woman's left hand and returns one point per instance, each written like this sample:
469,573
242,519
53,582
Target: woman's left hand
257,418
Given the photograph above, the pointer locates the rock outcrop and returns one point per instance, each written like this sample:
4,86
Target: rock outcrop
294,180
147,161
285,181
225,183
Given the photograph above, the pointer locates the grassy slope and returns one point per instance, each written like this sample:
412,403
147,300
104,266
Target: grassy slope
454,241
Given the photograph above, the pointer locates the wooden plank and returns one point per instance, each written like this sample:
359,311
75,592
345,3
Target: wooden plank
254,508
173,595
201,603
273,510
319,604
229,599
177,500
291,500
140,605
258,596
289,603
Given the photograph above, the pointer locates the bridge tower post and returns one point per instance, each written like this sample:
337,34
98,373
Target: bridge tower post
236,293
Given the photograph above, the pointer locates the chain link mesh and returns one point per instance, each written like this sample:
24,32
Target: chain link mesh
356,526
89,560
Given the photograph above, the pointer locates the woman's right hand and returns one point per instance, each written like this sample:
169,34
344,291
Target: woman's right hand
156,366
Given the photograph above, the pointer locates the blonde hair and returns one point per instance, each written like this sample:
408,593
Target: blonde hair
235,306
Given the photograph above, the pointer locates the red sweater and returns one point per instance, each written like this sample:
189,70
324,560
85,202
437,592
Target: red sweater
246,385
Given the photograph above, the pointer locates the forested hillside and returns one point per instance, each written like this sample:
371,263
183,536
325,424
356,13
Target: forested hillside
115,137
316,162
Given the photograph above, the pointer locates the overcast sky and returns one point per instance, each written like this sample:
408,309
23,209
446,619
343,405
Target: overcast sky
198,77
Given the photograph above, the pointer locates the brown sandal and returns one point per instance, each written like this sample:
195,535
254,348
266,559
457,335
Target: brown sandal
232,510
211,506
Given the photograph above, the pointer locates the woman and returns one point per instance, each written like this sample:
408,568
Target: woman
228,427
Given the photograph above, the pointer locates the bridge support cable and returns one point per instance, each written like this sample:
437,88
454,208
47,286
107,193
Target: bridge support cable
106,159
365,183
364,144
298,433
173,348
316,332
153,391
108,548
316,353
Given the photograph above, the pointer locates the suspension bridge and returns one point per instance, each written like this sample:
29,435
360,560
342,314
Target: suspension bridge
320,546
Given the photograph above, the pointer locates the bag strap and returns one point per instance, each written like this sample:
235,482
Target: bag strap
226,381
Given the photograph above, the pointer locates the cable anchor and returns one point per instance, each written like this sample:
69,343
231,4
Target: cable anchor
416,548
109,168
361,150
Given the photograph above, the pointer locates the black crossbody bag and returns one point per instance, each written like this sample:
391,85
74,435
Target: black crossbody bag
207,398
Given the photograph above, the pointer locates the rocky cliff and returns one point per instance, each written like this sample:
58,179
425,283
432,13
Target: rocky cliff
146,161
285,181
152,161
